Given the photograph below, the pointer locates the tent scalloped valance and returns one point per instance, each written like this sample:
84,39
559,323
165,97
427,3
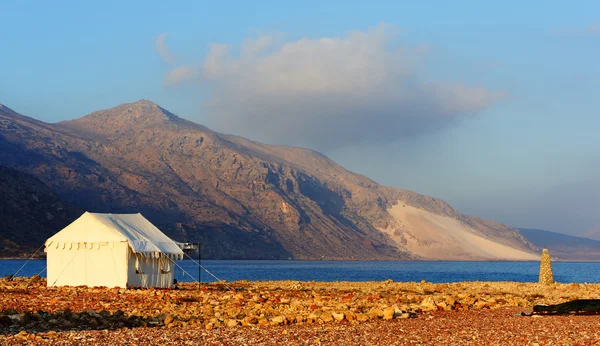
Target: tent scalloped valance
109,245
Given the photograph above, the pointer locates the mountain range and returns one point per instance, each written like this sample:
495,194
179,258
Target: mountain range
563,246
240,198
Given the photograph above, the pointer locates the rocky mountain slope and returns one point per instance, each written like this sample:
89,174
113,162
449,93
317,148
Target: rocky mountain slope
241,198
563,246
29,213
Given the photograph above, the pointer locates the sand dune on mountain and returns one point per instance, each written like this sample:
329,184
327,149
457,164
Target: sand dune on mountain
433,236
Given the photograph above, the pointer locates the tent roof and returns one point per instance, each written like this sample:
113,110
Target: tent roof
142,236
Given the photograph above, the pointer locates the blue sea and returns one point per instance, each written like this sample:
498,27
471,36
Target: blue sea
432,271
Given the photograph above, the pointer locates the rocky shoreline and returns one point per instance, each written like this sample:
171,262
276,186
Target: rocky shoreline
32,312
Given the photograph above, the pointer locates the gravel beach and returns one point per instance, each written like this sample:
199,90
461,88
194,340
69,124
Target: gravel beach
294,313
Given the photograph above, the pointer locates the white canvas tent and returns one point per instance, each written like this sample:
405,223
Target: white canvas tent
112,250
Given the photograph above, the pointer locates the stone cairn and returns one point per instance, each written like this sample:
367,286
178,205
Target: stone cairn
546,276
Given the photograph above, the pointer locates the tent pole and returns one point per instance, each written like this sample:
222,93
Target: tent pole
200,266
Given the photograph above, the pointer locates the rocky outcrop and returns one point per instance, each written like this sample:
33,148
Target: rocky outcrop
241,198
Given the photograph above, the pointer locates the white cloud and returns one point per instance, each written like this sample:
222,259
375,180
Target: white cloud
328,92
163,50
178,74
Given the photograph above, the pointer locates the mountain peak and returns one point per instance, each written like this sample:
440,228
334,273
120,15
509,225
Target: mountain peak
128,116
144,102
142,109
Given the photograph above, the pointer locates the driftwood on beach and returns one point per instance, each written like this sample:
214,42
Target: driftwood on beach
575,307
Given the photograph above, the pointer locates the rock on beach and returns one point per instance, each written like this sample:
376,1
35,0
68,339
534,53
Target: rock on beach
30,306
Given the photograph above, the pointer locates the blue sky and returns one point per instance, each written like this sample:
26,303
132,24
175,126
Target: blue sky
491,107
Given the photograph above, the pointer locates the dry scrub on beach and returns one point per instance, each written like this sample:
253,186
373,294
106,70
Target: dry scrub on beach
229,313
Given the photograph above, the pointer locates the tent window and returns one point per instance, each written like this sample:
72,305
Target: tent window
165,267
137,265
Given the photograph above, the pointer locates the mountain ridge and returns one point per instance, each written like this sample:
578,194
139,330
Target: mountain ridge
243,198
564,246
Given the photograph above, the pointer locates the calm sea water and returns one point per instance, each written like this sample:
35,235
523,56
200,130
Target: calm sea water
438,272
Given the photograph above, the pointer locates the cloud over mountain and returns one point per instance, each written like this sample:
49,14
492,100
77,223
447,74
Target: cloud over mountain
163,50
328,92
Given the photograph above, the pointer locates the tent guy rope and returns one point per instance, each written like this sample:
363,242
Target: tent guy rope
184,271
30,258
206,270
198,281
